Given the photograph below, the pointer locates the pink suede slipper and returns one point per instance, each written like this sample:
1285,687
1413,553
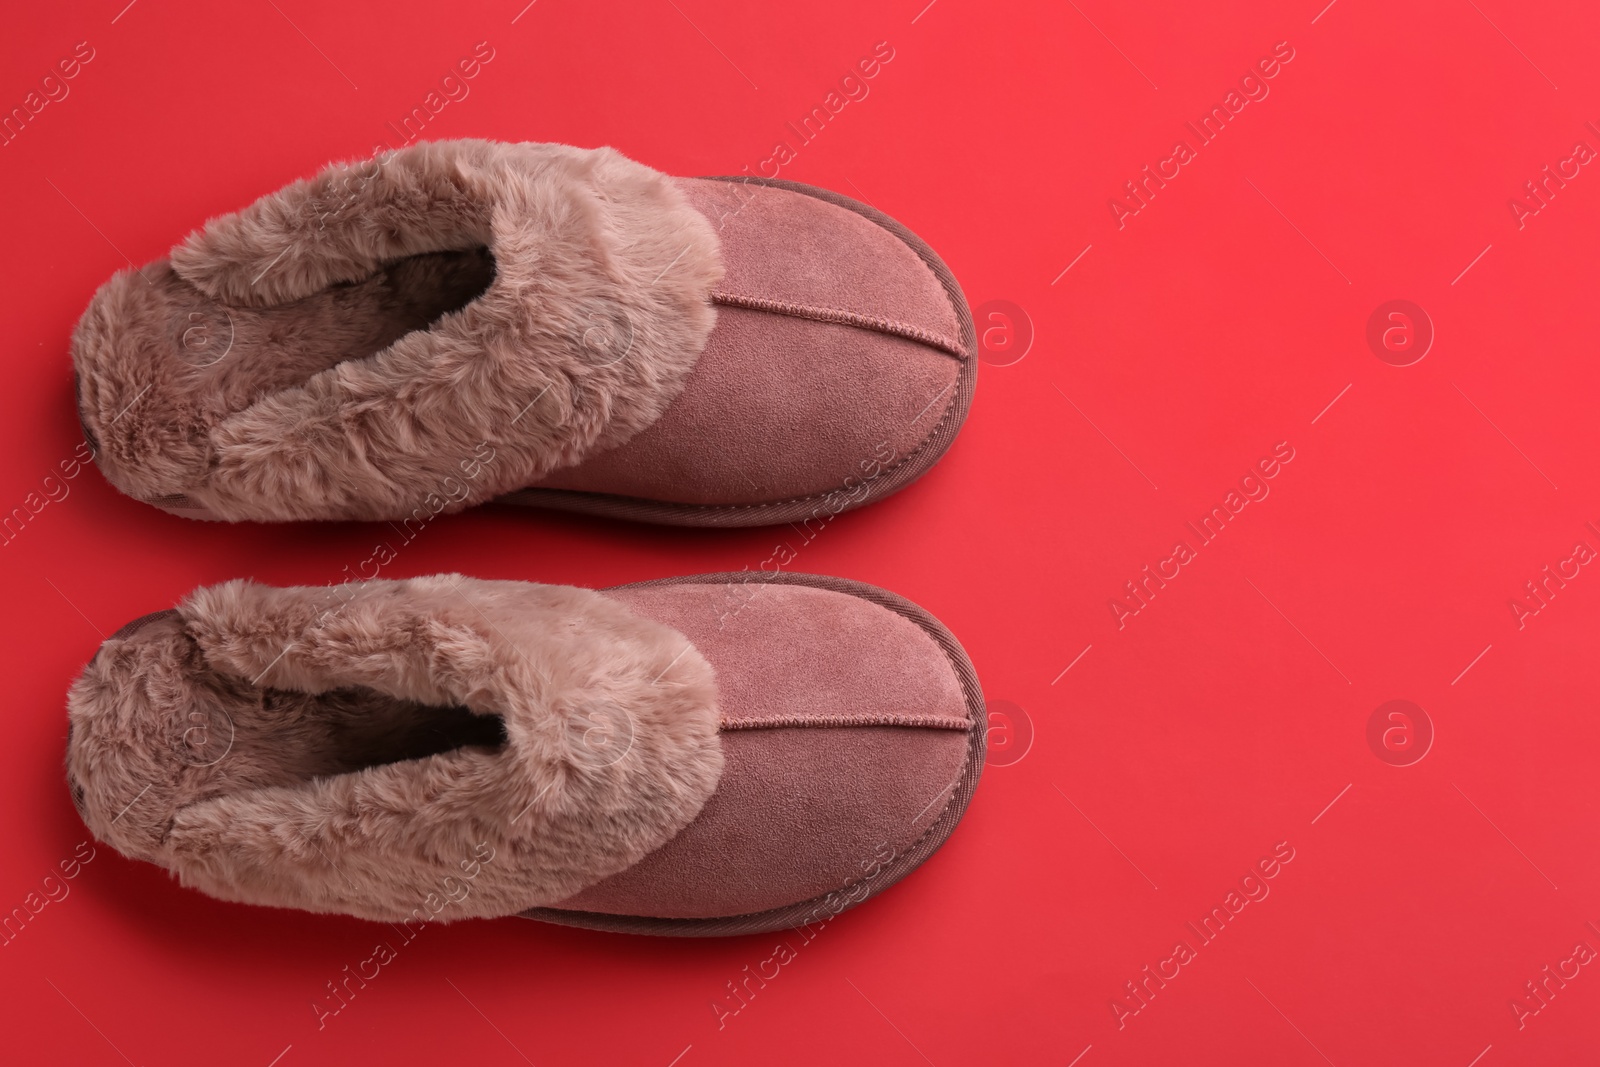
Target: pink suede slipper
465,321
698,756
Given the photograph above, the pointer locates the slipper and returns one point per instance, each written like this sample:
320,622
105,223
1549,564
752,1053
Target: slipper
707,755
463,321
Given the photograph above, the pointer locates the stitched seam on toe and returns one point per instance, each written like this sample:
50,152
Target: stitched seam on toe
929,722
842,317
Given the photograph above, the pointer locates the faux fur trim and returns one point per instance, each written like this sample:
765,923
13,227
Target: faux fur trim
324,353
218,742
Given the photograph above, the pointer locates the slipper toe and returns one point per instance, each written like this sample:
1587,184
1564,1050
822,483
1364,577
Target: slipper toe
841,366
851,726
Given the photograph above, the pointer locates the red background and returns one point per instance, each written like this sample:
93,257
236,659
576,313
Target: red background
1223,718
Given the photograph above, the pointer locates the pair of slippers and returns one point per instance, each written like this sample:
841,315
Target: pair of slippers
471,321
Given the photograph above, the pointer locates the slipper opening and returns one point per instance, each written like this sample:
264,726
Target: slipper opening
346,321
370,729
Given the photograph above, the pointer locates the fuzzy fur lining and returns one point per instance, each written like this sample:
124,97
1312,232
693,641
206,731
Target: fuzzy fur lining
323,354
218,742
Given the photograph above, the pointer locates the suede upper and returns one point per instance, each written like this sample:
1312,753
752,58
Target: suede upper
838,353
845,733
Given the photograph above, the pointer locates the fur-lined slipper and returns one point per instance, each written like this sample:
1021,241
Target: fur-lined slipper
698,756
464,321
